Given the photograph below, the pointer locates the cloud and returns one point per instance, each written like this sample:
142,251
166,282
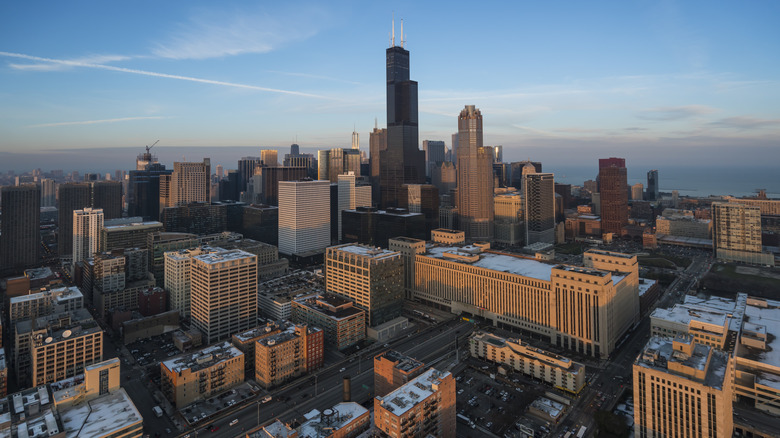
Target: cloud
674,112
742,122
312,76
155,74
49,66
213,34
95,122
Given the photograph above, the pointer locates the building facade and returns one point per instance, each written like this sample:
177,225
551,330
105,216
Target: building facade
199,375
539,200
371,277
613,190
736,234
20,237
475,177
223,293
304,217
64,353
343,325
393,370
87,231
289,354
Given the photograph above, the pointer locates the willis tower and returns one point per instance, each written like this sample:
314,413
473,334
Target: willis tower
402,162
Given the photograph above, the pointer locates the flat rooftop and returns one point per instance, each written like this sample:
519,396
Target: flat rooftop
313,302
373,252
659,352
259,331
402,361
101,416
413,392
329,421
610,253
204,358
511,264
223,256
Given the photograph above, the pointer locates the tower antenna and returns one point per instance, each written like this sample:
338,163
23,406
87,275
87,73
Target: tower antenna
392,34
402,33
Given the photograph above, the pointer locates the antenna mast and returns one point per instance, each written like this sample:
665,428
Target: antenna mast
402,33
392,34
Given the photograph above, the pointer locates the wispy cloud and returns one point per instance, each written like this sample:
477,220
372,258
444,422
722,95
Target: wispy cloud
92,59
95,122
156,74
742,122
312,76
215,33
674,112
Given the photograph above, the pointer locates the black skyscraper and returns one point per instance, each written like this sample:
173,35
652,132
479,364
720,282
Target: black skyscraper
403,162
108,196
19,230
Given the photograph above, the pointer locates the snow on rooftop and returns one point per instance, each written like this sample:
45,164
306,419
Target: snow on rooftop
413,392
549,407
645,284
766,313
327,422
101,416
223,256
367,251
501,262
685,313
203,358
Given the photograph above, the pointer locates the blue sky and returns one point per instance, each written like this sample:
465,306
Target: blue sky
562,82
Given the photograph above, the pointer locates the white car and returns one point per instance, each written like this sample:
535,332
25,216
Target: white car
342,370
266,399
234,422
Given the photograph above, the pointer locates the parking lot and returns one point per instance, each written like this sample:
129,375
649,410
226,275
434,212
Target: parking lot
492,404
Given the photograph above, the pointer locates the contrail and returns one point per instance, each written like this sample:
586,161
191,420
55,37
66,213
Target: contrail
155,74
92,122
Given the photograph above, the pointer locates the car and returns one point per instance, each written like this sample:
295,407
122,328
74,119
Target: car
342,370
167,430
234,422
214,428
266,399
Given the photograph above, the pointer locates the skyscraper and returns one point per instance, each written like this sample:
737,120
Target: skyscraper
143,189
377,142
323,165
246,168
736,233
355,140
351,196
269,157
539,199
48,193
87,227
652,185
72,197
475,177
613,189
637,192
434,154
19,230
223,293
189,182
304,217
107,195
402,162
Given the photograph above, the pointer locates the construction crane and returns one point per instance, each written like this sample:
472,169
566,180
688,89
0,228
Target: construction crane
149,147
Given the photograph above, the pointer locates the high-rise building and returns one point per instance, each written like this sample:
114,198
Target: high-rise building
304,217
539,199
371,277
338,161
323,165
736,233
355,140
269,157
509,218
400,412
143,187
107,195
637,192
498,154
189,182
72,197
423,198
178,279
64,352
127,233
475,177
377,142
402,162
613,190
266,182
682,388
223,293
652,186
295,351
20,237
246,168
87,228
434,154
444,177
48,193
351,196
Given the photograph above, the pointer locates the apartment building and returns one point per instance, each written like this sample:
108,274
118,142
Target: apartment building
289,354
393,370
425,406
343,324
63,353
195,376
44,303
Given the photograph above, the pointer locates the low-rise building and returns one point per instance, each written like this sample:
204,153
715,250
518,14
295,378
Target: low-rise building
3,373
343,324
62,353
246,342
44,303
425,406
344,420
274,297
393,369
558,371
288,354
193,376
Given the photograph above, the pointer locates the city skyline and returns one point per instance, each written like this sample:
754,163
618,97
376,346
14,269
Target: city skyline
639,81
